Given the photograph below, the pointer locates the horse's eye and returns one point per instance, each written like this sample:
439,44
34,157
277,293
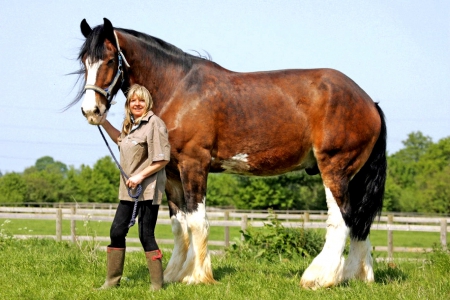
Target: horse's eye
111,62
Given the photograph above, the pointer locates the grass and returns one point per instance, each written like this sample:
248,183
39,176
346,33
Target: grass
45,269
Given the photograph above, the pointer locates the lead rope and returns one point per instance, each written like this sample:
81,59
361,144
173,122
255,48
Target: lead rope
138,189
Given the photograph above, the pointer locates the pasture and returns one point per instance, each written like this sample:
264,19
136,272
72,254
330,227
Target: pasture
46,269
408,239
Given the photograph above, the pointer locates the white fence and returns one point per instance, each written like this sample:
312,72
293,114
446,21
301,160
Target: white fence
227,219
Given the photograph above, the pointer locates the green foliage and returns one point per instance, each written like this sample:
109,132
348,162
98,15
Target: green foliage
295,190
275,242
419,176
440,259
94,184
13,188
222,190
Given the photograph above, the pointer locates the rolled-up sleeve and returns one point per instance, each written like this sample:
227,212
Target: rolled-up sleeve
160,147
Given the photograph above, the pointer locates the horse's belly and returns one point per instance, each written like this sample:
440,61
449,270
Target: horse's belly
271,162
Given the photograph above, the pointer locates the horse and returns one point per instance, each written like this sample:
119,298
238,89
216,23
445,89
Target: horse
258,124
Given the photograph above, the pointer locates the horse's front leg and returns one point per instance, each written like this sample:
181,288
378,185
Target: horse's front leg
197,266
175,197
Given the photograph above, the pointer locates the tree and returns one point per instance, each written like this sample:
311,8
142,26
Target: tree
433,178
45,180
222,190
97,184
48,163
295,190
418,176
12,188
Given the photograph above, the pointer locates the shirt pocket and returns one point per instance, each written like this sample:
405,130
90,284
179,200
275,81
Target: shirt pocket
134,147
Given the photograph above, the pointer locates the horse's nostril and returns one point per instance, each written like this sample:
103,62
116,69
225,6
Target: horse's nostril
82,111
97,111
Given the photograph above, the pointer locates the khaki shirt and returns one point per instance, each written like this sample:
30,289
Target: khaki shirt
145,144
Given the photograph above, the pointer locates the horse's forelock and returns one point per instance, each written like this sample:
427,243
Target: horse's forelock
94,46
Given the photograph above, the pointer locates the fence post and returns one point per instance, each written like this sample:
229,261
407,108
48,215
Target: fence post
73,232
444,233
58,224
227,229
390,237
306,217
243,225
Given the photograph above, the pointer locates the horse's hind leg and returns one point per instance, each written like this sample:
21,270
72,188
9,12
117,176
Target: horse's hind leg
327,268
359,262
179,230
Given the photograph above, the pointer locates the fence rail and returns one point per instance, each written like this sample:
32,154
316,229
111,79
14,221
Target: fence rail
227,218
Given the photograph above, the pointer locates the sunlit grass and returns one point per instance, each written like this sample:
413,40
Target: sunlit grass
45,269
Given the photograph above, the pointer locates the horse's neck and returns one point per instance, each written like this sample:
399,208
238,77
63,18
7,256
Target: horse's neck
161,79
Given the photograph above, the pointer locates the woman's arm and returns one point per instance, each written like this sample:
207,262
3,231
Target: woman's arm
133,181
111,130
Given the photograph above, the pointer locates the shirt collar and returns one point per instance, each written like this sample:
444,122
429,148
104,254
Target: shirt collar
144,119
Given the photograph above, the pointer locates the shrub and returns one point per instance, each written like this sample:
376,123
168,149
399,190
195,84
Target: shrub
275,242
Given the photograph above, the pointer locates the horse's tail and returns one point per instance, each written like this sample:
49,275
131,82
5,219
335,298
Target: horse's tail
366,190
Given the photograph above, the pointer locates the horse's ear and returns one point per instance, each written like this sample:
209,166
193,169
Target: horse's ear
85,28
108,29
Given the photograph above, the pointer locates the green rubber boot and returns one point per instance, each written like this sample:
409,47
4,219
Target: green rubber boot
114,267
154,263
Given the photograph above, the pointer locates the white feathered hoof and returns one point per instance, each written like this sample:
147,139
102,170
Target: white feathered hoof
322,273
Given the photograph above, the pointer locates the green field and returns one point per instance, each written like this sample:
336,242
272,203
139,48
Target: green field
45,269
48,227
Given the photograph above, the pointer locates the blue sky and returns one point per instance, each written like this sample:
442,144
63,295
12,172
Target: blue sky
397,51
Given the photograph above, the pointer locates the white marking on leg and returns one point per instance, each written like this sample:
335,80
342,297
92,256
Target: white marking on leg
359,263
181,245
327,268
197,267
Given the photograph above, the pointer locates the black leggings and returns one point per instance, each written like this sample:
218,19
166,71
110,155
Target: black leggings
148,214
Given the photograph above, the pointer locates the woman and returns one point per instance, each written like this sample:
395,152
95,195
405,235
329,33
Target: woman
144,152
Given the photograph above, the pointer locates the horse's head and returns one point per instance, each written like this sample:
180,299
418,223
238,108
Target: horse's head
102,61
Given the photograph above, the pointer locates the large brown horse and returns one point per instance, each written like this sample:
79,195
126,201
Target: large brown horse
262,123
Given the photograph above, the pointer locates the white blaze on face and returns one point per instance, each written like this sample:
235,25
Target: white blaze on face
89,104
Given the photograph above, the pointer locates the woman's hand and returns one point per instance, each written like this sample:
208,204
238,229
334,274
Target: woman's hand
134,181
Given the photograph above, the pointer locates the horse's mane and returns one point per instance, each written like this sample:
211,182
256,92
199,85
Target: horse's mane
93,46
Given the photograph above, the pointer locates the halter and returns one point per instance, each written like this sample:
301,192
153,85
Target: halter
119,74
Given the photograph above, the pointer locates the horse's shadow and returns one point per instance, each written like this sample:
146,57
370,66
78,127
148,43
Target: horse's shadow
389,273
221,272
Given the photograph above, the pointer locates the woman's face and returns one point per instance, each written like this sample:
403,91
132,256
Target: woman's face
137,106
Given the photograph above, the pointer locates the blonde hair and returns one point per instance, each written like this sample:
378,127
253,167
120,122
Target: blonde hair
142,93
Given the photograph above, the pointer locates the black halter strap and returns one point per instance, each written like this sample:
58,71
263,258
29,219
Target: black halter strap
108,91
